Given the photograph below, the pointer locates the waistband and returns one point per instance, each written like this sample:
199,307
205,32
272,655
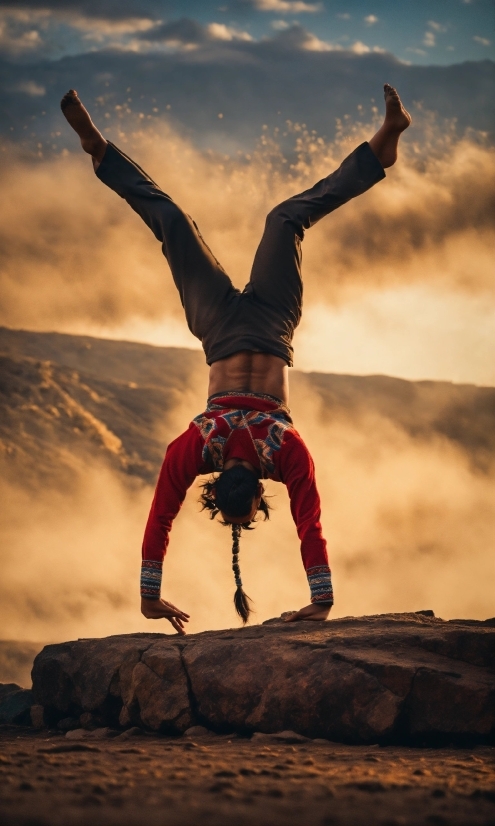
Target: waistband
247,400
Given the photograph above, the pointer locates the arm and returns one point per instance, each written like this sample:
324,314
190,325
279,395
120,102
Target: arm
180,467
298,473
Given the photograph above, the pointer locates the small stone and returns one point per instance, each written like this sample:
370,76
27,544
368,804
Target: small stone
290,737
135,731
105,733
76,734
68,723
91,721
38,716
197,731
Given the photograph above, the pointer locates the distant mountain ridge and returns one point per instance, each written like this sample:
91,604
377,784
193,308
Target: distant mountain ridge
64,396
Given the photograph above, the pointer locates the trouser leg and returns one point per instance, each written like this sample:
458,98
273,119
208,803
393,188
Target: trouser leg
204,287
276,274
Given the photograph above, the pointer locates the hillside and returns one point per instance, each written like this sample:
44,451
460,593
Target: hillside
62,396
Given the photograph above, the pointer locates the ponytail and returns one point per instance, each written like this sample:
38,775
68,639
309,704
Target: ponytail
241,600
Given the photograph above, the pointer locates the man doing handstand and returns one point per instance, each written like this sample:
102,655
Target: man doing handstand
246,432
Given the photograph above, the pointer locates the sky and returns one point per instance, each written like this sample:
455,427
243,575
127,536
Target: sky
421,32
231,106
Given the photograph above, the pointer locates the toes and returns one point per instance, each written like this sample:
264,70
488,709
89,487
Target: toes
69,98
390,91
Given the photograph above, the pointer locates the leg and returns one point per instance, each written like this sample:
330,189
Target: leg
276,274
204,287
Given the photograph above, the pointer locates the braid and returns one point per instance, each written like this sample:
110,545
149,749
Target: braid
241,600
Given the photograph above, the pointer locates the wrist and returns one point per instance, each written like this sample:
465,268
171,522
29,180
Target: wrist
151,579
320,585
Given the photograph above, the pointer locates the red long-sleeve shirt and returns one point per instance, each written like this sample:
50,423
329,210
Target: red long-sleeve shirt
258,429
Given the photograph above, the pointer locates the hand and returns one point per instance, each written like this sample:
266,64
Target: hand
315,611
159,609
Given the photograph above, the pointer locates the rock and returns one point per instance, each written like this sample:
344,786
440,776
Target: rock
38,716
157,695
197,731
15,705
67,723
134,731
105,733
289,737
90,721
389,678
77,734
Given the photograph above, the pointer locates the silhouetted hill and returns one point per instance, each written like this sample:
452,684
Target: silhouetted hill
62,396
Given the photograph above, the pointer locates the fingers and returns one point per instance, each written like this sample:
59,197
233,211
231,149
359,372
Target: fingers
175,624
293,617
177,612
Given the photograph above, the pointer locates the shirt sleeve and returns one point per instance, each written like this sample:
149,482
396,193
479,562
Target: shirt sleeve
297,471
182,463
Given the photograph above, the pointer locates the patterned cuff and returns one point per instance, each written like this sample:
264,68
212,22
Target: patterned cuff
320,584
151,578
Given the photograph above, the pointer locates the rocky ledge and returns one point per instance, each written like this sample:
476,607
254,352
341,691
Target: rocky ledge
398,678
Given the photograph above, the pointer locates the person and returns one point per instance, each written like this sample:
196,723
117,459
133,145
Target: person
246,433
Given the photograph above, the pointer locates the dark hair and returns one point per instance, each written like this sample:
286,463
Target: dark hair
232,493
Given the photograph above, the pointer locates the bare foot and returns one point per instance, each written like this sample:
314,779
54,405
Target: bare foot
92,141
385,143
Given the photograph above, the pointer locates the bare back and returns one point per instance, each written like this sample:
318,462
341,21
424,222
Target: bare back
250,371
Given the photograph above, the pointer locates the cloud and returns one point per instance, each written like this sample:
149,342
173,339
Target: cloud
429,40
181,32
408,522
219,31
109,10
370,19
19,33
29,87
483,41
88,259
193,76
287,6
417,331
359,48
438,27
187,34
43,32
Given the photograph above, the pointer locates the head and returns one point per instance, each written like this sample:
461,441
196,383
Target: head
237,494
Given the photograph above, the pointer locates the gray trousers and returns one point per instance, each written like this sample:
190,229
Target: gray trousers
265,314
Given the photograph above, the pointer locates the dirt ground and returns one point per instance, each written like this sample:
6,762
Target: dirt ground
50,780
